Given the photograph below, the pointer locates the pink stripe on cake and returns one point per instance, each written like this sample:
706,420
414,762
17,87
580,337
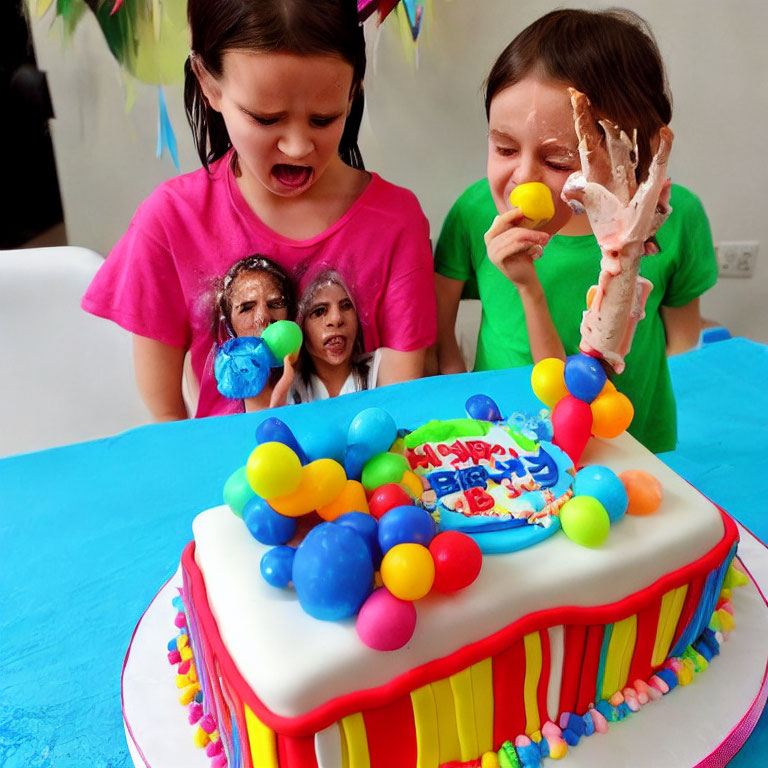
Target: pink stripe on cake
541,693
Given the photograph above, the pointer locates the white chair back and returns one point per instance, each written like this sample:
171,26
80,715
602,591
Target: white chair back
65,376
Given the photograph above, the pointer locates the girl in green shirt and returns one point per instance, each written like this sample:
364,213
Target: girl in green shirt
533,283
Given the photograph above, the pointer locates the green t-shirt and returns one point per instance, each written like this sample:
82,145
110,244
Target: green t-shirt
683,270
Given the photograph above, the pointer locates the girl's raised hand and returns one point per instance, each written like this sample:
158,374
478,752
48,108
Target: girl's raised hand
279,395
513,248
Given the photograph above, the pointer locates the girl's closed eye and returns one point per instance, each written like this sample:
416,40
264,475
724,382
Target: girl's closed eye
323,121
277,303
261,119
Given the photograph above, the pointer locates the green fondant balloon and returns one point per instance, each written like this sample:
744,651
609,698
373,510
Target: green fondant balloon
283,338
237,491
585,521
383,468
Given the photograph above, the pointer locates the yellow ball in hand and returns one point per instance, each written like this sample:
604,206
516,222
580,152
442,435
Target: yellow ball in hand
534,200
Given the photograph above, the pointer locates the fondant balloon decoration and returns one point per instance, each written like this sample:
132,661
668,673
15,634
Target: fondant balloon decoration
242,364
584,402
369,525
373,530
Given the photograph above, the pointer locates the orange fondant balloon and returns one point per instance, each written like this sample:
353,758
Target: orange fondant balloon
412,484
643,490
612,413
321,482
351,499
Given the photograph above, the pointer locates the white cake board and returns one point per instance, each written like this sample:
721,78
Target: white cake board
702,724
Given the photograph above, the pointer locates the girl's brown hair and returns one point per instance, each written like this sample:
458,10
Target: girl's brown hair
358,361
610,55
222,308
303,27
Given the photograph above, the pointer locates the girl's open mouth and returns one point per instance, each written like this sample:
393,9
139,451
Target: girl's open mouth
292,176
335,344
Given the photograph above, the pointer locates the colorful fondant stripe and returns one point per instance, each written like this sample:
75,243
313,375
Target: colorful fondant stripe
671,605
476,707
533,663
262,741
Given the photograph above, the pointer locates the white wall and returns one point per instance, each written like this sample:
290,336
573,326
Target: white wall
425,125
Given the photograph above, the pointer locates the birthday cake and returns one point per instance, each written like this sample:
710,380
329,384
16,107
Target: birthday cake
551,641
479,591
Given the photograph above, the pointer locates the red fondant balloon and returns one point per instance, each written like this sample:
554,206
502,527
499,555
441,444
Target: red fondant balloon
458,560
387,496
572,424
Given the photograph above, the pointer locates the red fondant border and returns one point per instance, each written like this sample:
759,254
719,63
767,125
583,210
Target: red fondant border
332,710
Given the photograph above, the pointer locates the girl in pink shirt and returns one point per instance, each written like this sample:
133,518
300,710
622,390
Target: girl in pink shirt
274,93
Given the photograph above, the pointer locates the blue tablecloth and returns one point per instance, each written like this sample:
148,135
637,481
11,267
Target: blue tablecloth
90,532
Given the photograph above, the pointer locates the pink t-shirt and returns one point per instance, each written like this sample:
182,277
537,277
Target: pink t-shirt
158,281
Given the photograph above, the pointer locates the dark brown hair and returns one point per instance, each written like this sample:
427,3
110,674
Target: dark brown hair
222,310
609,55
303,27
358,360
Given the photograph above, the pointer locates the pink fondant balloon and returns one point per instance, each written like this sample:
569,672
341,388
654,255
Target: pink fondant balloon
385,623
572,424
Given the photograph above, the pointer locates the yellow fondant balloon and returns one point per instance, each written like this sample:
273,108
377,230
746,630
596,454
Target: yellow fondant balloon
321,482
412,484
351,499
548,381
273,469
612,413
408,571
534,200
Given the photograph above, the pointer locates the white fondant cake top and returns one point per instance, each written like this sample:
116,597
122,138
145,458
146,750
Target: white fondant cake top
294,663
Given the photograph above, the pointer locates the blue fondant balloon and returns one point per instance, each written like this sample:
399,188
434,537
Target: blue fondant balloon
584,377
602,484
332,572
273,430
405,525
266,525
373,428
323,441
242,367
367,526
483,408
277,565
354,460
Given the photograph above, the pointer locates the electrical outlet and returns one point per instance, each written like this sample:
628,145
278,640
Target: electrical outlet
736,259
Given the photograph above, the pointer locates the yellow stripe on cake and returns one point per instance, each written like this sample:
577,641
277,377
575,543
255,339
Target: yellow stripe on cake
425,722
533,664
356,737
671,606
449,748
619,657
482,692
461,685
262,741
